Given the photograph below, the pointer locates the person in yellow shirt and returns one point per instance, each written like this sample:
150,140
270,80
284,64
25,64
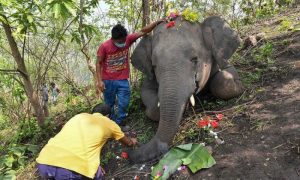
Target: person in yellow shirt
74,153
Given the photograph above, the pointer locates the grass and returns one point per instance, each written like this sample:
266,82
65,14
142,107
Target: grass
144,127
259,124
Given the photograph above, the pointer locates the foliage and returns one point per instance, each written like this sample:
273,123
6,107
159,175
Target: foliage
3,121
266,10
248,78
263,55
285,25
30,132
254,10
105,159
14,159
62,8
135,103
23,14
190,15
195,156
125,12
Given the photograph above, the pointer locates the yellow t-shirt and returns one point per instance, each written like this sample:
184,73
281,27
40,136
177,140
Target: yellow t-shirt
78,145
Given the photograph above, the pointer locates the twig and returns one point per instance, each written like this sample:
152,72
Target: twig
278,146
244,104
120,172
240,97
222,130
252,47
297,171
201,104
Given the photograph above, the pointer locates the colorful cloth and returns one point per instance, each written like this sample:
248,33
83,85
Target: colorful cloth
115,65
78,145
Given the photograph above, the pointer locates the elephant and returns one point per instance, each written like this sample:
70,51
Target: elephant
179,62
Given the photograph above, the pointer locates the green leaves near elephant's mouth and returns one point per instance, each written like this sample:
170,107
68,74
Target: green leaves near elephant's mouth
195,156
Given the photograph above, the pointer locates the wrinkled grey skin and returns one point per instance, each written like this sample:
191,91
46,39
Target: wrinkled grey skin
179,62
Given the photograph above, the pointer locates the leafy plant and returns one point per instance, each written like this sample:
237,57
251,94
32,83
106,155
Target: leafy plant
195,156
190,15
285,25
135,103
248,78
28,131
109,155
62,8
264,53
14,159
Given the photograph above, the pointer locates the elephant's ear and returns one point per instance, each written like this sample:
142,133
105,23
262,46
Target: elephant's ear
141,57
220,38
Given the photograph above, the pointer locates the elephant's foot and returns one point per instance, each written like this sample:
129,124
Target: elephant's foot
149,151
226,84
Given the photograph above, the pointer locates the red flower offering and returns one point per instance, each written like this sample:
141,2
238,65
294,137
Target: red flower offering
124,155
203,123
214,123
170,24
219,117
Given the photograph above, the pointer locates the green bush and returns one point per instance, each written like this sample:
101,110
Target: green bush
248,78
15,158
285,25
263,55
3,122
28,131
136,104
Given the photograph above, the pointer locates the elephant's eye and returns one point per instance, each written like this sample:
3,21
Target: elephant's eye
194,60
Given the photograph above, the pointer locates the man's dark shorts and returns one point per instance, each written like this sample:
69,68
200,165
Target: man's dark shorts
57,173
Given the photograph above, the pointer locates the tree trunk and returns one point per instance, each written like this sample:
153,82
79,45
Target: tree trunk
84,44
31,94
146,12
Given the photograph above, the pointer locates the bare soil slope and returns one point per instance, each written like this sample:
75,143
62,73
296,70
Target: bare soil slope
263,139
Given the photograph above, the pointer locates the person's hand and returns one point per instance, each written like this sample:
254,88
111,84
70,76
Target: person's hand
100,86
161,20
134,141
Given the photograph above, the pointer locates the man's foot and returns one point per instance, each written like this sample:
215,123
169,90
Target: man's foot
125,128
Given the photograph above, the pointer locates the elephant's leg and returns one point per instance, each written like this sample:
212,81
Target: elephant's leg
226,84
150,99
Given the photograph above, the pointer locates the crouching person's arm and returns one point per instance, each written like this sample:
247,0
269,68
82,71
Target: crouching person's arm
127,141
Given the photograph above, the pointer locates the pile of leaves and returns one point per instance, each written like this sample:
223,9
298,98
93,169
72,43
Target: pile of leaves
194,156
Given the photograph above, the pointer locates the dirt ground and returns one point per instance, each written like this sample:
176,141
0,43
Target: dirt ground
264,141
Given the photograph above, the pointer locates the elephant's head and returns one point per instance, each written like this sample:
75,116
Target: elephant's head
178,62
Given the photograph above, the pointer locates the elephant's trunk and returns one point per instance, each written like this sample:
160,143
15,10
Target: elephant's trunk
173,95
172,103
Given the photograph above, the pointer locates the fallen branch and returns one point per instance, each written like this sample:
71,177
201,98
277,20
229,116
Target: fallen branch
244,104
278,146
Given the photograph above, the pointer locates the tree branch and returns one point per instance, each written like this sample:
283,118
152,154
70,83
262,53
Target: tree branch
13,71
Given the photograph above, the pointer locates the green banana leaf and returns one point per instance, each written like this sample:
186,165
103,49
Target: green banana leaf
195,156
198,158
